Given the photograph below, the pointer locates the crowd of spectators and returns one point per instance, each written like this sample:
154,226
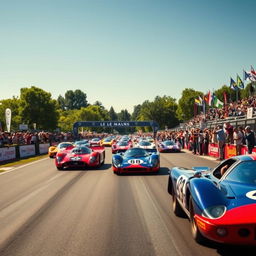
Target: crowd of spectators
197,140
33,137
230,110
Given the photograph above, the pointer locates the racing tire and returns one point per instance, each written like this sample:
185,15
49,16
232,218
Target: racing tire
177,210
60,168
198,237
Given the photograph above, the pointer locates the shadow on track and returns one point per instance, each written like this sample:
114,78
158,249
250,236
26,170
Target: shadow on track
163,171
104,167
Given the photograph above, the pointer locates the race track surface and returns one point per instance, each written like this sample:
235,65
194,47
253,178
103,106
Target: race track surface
48,212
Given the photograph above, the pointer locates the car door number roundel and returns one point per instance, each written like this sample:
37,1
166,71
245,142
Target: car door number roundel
135,161
181,188
251,194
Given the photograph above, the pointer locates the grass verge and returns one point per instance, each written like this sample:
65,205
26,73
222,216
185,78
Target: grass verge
21,162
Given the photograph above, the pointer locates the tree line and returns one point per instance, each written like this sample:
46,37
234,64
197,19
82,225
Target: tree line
36,106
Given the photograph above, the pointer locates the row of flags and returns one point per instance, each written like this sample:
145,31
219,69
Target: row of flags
248,76
209,99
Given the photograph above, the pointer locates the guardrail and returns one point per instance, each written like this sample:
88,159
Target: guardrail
17,152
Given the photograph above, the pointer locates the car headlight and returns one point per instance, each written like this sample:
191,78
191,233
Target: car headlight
215,212
116,163
59,158
154,162
93,159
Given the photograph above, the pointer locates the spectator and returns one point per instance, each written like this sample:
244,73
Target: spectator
238,139
229,131
221,141
250,139
206,142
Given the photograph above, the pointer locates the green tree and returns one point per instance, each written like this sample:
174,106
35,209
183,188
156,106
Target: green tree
231,94
112,114
162,110
12,104
124,115
136,112
36,106
67,119
73,100
186,103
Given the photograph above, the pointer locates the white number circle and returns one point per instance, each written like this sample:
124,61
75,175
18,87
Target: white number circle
251,194
135,161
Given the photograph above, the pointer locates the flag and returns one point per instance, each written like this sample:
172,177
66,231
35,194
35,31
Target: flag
209,98
212,99
248,75
253,72
197,101
233,84
201,101
239,82
217,103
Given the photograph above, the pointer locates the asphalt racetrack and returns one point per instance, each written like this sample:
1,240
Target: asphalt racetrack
48,212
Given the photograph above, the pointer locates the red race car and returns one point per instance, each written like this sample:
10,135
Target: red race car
80,157
121,146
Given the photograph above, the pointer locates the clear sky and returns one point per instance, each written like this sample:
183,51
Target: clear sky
123,52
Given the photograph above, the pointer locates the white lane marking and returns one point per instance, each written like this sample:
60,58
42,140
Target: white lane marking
19,167
11,208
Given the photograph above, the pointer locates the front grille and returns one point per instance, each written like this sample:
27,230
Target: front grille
74,163
135,169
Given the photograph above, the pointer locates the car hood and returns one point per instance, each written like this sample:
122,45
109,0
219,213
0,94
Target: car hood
239,194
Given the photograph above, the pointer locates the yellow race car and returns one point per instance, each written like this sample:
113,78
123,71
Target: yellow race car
107,142
53,150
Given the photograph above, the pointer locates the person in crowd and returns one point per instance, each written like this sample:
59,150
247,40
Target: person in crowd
206,142
221,141
200,142
229,133
238,139
194,138
250,139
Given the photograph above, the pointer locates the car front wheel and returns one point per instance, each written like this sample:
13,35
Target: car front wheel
176,206
195,231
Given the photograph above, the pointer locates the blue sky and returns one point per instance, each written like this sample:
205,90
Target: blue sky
123,52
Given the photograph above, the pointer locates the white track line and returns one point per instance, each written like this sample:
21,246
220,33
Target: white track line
19,167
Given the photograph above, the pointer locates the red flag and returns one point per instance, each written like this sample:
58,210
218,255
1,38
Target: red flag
253,71
225,98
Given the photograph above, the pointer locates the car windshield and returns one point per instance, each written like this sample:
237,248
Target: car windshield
107,139
245,172
64,145
168,143
81,150
122,143
145,143
135,152
95,139
81,142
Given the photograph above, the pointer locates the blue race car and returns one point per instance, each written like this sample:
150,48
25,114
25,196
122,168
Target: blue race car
169,146
220,203
136,160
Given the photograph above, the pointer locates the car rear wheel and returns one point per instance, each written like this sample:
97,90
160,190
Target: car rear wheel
199,238
176,206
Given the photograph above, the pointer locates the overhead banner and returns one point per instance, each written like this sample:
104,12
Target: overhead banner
8,117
